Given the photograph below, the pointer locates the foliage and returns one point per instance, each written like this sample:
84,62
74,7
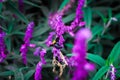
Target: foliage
103,48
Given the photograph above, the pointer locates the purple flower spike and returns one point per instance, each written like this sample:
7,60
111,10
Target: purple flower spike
113,70
2,0
38,70
49,39
39,52
42,55
79,55
32,45
21,5
23,51
3,49
27,37
28,33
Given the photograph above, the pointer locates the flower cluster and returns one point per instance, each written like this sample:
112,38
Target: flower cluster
112,72
27,37
39,52
56,38
3,49
79,55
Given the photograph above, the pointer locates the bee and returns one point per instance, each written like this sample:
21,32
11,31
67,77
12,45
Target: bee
56,44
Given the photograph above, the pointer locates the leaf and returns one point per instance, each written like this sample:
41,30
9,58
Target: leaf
63,4
43,8
8,43
40,30
110,13
18,75
69,18
114,53
96,59
100,73
69,55
1,7
13,8
31,3
69,45
17,33
96,30
29,74
101,15
88,16
6,73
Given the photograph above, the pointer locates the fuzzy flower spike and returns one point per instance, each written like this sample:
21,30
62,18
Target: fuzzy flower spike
112,72
3,49
79,55
41,53
27,37
59,28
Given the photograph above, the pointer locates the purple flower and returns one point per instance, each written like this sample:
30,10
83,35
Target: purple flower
27,37
2,0
23,51
39,52
49,39
3,49
32,45
113,70
28,33
21,5
42,55
79,55
56,52
38,70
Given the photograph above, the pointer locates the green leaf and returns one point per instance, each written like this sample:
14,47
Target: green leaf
10,26
69,18
114,53
31,3
13,8
40,30
110,13
96,30
8,43
63,4
18,75
96,59
17,33
101,15
69,45
6,73
0,7
69,55
29,74
88,16
100,73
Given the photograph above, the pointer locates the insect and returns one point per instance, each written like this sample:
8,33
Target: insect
56,44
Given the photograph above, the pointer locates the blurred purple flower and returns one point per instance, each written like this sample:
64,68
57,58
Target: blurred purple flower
27,37
56,52
79,55
113,70
3,49
38,70
39,52
28,33
49,39
2,0
21,5
23,51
